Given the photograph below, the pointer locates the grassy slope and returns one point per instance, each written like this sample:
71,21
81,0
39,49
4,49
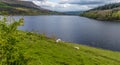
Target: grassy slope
9,9
45,51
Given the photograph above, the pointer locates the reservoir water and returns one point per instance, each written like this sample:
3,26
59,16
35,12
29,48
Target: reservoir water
76,29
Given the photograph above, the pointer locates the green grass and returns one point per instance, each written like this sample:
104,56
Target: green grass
40,50
45,51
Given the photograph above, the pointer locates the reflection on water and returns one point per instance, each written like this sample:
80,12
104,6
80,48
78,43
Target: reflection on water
76,29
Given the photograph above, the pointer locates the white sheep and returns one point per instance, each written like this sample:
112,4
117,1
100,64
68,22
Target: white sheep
58,40
77,48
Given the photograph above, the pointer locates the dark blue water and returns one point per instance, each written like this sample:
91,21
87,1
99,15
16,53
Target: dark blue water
76,29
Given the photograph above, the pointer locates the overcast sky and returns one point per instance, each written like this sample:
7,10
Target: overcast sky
71,5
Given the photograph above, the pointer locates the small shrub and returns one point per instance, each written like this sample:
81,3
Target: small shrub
10,53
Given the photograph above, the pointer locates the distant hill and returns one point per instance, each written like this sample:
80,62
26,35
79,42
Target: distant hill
73,12
22,3
16,7
107,12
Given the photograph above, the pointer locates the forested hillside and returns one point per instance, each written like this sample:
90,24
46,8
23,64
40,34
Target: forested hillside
108,6
106,12
21,8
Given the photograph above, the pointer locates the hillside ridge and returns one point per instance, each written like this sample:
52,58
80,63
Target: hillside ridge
108,12
15,7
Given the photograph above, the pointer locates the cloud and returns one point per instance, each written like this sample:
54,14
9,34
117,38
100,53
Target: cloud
33,0
83,2
71,5
50,4
89,1
56,6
